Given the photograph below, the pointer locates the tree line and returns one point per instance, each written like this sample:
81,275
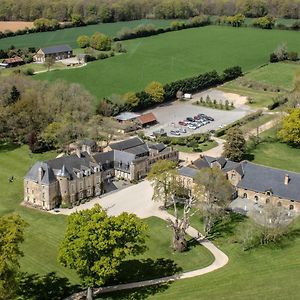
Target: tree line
155,92
120,10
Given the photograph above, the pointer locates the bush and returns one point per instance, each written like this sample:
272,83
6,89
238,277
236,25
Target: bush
277,103
273,58
293,56
29,72
102,55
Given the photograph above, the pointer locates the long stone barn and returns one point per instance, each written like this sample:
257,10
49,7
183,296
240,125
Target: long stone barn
258,183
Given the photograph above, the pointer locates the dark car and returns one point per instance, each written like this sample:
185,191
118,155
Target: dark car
190,119
210,119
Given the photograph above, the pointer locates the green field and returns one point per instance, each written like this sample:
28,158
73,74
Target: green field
268,273
69,35
276,154
279,75
175,55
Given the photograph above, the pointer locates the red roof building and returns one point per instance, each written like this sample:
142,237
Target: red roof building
147,119
13,61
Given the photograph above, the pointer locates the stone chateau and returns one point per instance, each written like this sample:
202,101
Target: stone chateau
68,180
258,183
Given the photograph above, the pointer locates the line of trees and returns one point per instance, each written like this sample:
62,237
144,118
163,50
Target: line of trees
155,92
120,10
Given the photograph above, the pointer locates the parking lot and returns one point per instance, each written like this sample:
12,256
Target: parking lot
168,115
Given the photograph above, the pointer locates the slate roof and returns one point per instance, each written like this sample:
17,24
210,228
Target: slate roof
159,147
188,172
262,179
48,176
87,142
56,49
126,144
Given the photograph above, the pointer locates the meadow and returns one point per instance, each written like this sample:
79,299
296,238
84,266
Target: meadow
69,35
278,75
270,272
176,55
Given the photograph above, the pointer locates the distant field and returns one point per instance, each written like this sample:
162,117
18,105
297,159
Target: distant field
177,55
69,35
14,26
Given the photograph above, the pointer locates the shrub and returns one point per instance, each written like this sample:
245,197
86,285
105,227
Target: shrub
293,56
102,55
29,72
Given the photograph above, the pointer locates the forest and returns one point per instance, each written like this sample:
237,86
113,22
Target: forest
93,11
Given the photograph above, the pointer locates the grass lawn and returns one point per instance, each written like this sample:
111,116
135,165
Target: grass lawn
269,273
175,55
35,67
276,154
69,35
45,231
160,259
279,75
204,147
256,123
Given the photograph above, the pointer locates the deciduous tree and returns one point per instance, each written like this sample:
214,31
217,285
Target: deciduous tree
156,91
214,193
95,244
83,41
290,130
100,41
11,236
162,175
235,145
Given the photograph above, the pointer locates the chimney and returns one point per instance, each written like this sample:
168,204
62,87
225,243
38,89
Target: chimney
78,152
286,179
40,174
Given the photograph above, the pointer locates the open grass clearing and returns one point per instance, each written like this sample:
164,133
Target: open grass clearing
271,271
257,123
276,154
69,35
176,55
277,75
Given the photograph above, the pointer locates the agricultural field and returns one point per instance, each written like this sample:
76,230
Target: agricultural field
175,55
278,75
14,25
69,35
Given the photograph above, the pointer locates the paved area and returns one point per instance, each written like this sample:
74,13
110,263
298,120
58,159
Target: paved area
169,114
135,199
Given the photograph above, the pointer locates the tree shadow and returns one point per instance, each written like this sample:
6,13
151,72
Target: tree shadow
145,269
46,287
135,294
249,156
225,227
5,147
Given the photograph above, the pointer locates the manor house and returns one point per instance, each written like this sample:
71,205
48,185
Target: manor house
68,180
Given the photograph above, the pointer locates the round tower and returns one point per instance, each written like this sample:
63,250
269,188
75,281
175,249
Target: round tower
63,177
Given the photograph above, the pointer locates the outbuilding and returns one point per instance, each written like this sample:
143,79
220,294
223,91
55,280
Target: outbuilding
147,119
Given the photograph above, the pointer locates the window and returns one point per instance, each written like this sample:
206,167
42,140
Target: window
256,198
268,193
245,195
279,204
267,201
291,207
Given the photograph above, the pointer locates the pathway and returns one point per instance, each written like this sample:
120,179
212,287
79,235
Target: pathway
137,199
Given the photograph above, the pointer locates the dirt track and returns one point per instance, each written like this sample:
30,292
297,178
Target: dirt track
13,26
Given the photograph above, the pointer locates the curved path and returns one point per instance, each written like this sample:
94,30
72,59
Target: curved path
130,200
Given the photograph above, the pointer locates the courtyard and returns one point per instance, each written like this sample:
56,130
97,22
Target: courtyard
169,114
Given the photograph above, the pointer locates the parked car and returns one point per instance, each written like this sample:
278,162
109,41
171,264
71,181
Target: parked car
190,119
191,126
174,132
182,130
182,123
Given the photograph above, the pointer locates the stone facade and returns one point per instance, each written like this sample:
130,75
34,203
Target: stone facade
258,183
68,180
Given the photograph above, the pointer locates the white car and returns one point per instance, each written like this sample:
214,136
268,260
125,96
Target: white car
192,127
